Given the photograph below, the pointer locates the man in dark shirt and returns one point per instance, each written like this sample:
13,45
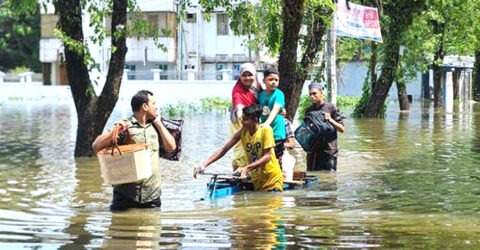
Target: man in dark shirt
326,158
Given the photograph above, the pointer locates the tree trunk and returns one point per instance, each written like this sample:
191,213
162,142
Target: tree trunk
293,78
92,111
373,64
402,96
292,16
401,15
380,90
476,79
437,81
438,29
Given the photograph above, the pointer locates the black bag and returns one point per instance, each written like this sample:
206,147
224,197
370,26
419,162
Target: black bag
175,128
314,132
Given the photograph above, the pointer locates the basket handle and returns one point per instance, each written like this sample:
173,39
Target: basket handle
118,129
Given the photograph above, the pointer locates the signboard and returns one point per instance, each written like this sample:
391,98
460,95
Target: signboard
358,22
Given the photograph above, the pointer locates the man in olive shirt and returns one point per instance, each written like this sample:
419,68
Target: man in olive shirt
146,193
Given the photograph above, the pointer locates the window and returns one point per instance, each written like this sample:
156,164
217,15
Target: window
159,22
222,24
130,67
236,67
236,71
191,18
162,22
219,67
163,67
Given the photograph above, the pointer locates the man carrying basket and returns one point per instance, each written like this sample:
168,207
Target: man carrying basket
142,127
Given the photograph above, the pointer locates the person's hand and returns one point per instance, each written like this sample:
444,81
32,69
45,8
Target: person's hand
238,171
157,120
328,117
243,171
198,170
123,124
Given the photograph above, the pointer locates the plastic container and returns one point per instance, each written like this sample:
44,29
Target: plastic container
288,164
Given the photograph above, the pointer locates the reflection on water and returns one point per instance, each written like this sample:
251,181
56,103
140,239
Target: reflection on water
407,181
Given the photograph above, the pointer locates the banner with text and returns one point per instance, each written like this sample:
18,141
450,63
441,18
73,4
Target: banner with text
359,22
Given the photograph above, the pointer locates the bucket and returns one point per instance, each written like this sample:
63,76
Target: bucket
288,163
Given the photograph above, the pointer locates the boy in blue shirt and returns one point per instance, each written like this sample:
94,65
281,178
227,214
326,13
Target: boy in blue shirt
272,100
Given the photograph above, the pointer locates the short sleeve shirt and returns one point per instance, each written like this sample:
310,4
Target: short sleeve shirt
332,148
148,189
267,101
266,177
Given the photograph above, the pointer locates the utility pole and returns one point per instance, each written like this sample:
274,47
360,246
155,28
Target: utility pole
178,62
331,62
199,14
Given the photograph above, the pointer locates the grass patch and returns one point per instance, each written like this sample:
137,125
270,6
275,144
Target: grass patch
205,104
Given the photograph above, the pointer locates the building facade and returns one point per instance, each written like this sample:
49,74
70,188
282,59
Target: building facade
195,49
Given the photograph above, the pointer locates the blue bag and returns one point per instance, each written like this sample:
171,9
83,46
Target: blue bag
314,132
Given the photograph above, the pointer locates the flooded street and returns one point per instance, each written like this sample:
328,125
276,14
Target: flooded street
410,181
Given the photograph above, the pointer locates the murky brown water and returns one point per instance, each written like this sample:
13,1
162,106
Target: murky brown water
409,181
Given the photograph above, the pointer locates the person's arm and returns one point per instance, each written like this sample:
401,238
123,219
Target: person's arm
239,111
105,140
237,102
102,141
273,113
258,163
168,142
340,128
219,154
289,143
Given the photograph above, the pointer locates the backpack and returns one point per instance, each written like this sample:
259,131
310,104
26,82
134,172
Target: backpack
314,132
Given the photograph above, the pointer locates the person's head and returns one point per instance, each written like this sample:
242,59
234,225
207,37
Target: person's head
315,91
248,74
271,78
143,100
251,115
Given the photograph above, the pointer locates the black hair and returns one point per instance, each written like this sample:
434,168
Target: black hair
139,99
253,111
270,71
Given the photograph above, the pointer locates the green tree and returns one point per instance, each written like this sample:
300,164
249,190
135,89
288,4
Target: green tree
399,16
476,34
274,18
476,80
316,16
92,111
444,28
19,38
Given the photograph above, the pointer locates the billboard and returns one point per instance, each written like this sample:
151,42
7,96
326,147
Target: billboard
358,21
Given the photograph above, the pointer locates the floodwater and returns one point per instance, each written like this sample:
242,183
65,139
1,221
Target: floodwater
410,181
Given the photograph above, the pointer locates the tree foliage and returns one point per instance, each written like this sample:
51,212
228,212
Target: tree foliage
265,22
93,111
19,36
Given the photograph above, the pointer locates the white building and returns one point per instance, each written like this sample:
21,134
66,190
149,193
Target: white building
196,49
